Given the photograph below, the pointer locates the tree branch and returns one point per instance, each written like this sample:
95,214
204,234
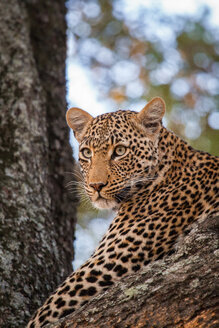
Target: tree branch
178,291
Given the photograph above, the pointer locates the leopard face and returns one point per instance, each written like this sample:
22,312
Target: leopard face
117,160
118,152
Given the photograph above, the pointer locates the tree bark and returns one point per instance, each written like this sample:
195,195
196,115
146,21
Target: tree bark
176,292
37,215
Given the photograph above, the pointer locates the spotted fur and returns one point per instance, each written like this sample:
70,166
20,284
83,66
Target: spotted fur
156,181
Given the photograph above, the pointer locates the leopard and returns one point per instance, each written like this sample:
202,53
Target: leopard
155,181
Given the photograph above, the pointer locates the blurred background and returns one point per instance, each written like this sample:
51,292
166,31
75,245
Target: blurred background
122,53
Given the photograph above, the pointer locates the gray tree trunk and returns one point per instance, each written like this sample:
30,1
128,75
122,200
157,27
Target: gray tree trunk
180,291
37,215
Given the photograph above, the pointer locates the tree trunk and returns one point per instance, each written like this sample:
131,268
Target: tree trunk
176,292
37,215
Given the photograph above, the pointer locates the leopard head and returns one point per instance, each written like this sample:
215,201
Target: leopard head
118,150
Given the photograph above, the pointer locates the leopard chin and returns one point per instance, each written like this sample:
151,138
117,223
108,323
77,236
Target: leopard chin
102,203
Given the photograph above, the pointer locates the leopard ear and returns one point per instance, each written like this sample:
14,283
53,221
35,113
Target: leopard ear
151,115
77,119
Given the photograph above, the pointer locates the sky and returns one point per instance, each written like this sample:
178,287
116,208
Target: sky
82,93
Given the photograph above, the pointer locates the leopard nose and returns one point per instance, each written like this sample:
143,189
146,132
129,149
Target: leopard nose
97,186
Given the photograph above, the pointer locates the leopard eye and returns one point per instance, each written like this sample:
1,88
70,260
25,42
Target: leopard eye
86,152
119,150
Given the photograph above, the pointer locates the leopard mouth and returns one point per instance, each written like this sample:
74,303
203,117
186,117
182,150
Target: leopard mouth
101,202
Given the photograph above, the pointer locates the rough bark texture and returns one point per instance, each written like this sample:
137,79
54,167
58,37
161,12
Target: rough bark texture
177,292
37,215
